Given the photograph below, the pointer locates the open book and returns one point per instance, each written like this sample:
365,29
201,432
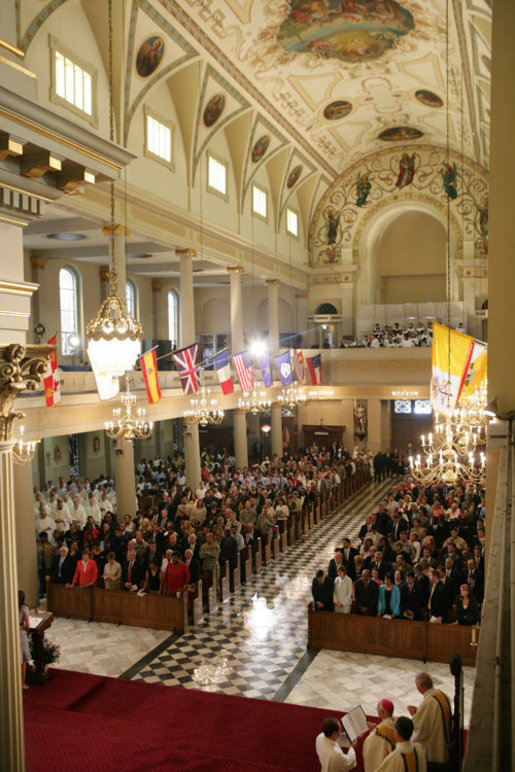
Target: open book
355,723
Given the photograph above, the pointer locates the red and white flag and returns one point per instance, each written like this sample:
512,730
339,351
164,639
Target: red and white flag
298,361
245,371
186,362
223,370
315,369
52,377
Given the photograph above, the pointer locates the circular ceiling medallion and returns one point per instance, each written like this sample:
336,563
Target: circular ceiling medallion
260,148
293,176
214,109
336,110
428,98
149,56
399,133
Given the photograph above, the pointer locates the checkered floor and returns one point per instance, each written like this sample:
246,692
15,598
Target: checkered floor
252,643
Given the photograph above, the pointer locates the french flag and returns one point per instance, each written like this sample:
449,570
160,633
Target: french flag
223,370
315,369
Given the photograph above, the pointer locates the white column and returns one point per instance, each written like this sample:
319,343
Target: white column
187,336
124,477
241,453
273,314
374,439
301,299
25,533
11,704
157,314
277,430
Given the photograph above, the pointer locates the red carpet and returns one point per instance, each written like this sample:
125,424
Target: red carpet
89,722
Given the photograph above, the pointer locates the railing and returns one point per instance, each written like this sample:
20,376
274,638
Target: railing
391,637
160,612
491,741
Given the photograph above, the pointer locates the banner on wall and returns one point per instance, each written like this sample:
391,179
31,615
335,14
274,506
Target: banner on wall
451,358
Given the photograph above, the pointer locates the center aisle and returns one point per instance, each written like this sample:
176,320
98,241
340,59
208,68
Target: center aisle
254,645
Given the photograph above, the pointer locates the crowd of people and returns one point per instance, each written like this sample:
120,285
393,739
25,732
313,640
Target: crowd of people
178,534
410,335
419,555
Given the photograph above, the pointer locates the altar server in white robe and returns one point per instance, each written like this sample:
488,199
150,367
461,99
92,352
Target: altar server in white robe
407,756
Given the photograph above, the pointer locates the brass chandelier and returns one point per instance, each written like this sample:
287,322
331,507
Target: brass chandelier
127,422
293,396
255,402
204,410
24,450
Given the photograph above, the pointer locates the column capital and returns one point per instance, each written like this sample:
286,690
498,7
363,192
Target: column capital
276,404
157,286
272,282
119,230
235,269
21,368
185,252
239,411
38,263
301,295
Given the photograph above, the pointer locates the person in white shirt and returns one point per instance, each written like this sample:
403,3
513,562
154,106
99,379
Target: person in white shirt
93,510
329,752
407,755
201,491
44,522
78,513
342,593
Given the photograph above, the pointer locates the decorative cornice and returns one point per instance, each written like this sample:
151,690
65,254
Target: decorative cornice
18,287
301,295
157,286
272,282
185,252
235,269
17,67
21,369
12,49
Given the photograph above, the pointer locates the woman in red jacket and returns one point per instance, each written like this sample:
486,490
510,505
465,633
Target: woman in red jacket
86,572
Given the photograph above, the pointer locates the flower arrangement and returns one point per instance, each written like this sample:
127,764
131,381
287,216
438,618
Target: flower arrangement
51,651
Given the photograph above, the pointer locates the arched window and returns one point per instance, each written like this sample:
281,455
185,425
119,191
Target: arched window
172,317
69,307
130,297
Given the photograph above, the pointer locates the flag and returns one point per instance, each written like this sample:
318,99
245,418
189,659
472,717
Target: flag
148,364
283,363
52,377
315,369
266,368
298,361
187,367
243,365
452,354
477,371
223,370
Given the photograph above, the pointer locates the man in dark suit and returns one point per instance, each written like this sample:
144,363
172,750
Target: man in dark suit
382,566
438,602
334,564
63,568
399,525
348,555
367,592
379,467
322,592
411,597
132,573
193,565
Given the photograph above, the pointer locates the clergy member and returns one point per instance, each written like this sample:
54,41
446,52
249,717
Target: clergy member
330,754
432,719
407,755
380,742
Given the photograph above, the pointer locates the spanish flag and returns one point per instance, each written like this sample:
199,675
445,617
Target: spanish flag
452,355
149,369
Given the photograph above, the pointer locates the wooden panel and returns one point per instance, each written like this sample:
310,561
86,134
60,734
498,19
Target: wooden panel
64,602
389,637
258,560
236,574
267,550
284,540
276,546
196,603
246,554
311,515
224,581
291,530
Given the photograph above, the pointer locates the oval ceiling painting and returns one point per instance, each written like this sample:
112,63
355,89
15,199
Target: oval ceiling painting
293,176
214,109
149,56
400,133
260,148
350,30
337,110
428,98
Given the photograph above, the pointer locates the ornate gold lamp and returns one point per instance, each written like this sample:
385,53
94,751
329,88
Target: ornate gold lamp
204,410
128,423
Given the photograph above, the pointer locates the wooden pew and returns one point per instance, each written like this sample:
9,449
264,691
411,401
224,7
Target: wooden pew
317,513
160,612
74,604
389,637
291,529
305,519
225,587
283,537
246,557
276,545
266,549
311,516
197,607
257,555
236,574
209,593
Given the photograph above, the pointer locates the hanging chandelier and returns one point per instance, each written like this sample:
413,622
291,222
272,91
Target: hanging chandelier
23,451
127,422
113,334
257,401
293,396
204,410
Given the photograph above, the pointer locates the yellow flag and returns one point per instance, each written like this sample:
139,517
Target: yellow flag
477,371
449,372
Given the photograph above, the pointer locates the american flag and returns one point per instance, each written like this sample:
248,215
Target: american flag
243,365
187,367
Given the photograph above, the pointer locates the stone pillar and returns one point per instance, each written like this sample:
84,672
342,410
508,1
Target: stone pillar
11,704
157,312
240,437
301,300
124,479
25,533
239,416
38,265
187,336
374,439
277,430
273,314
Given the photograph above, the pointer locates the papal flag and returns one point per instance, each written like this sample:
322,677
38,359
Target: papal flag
52,376
477,371
452,355
148,364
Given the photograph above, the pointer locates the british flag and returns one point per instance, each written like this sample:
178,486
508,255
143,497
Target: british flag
244,370
186,362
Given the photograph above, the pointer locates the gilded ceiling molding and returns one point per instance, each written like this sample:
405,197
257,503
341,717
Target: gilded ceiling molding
21,369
